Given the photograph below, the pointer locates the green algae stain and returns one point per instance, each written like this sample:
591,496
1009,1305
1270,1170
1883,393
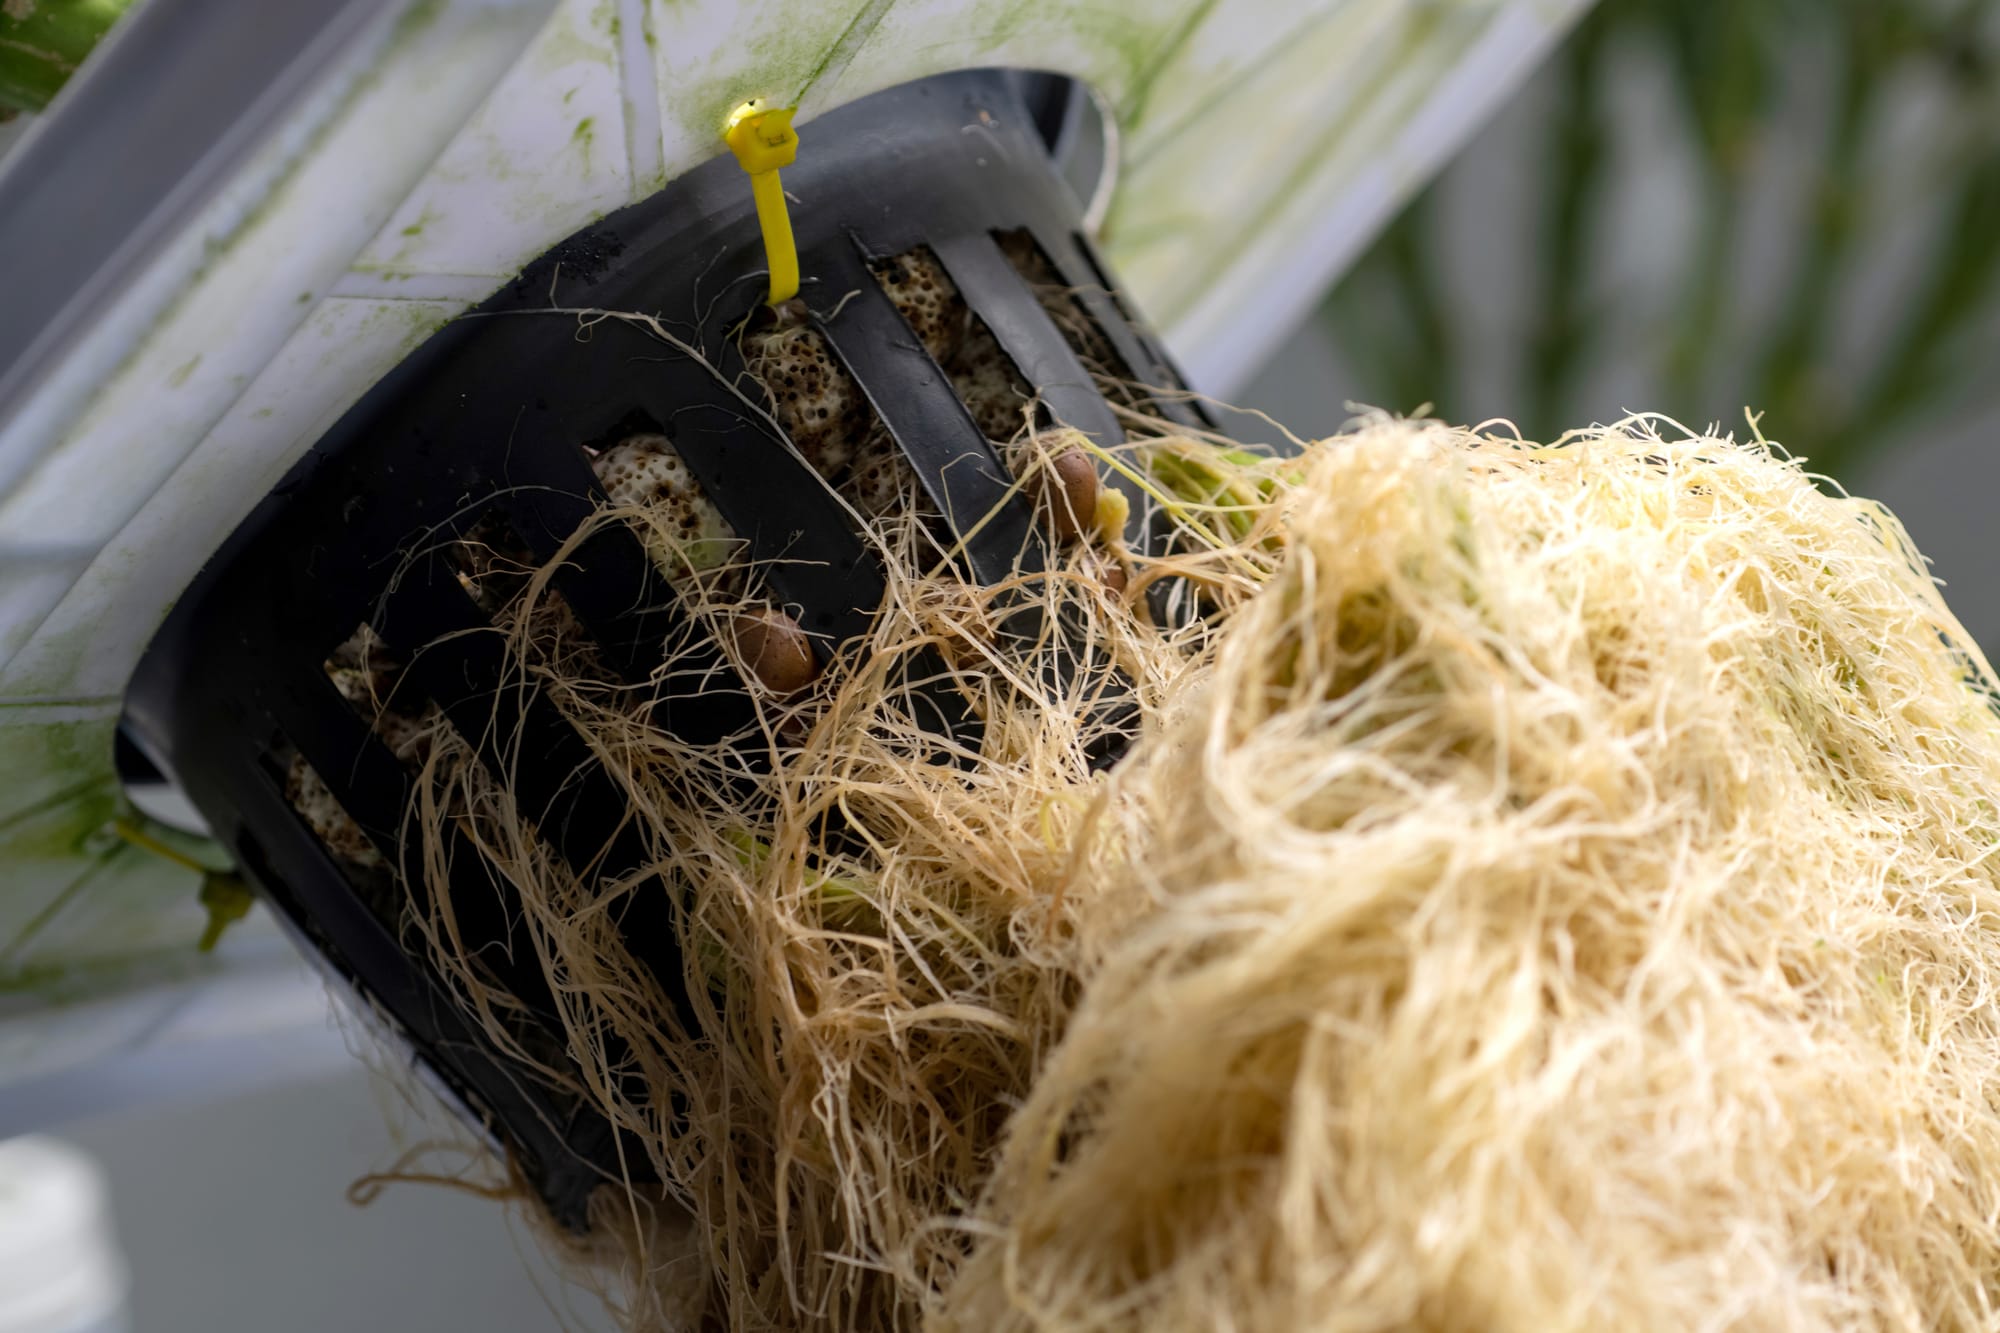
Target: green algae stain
403,325
775,60
46,748
565,42
52,983
62,828
415,19
396,327
57,783
424,219
584,136
71,892
411,237
179,375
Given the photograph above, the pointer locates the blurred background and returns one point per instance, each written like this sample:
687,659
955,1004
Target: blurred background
1697,207
1703,207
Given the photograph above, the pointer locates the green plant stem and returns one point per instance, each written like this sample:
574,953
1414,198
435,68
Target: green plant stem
1964,259
1414,272
1793,382
1721,71
1951,296
1388,315
1578,157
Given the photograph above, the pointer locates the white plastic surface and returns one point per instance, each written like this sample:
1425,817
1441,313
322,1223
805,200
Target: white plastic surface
1263,142
60,1270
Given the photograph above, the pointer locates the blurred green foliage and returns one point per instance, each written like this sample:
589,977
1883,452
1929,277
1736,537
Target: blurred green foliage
1735,67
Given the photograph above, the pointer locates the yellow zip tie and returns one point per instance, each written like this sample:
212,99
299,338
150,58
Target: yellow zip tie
763,140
